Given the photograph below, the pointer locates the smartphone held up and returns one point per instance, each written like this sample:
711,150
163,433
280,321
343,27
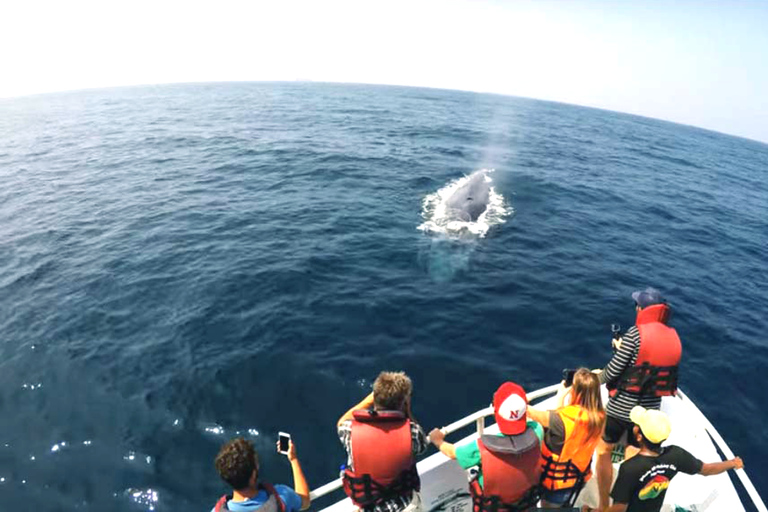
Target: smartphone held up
284,442
568,377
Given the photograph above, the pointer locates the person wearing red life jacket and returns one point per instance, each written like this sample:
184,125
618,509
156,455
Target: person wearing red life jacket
509,462
238,465
572,433
642,370
382,441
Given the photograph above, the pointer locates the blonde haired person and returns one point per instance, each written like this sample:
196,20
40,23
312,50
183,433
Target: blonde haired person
382,441
572,433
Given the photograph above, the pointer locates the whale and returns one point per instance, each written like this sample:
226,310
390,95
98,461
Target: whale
470,200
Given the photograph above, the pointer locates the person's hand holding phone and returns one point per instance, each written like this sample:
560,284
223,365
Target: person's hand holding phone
285,446
564,390
291,451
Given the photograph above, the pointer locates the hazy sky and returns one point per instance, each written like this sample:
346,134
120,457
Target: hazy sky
703,63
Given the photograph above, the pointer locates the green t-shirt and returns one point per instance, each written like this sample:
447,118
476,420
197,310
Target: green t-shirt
468,455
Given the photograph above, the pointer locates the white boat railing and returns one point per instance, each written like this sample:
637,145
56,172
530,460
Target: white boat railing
478,418
720,442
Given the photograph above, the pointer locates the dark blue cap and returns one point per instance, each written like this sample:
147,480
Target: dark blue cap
648,297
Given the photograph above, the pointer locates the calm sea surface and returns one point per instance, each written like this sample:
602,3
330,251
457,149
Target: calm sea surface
182,263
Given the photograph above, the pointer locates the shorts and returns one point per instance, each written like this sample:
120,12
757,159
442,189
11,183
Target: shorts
557,497
619,431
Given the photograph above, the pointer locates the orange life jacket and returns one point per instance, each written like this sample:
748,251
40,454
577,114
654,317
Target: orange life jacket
655,370
510,473
273,504
571,468
383,466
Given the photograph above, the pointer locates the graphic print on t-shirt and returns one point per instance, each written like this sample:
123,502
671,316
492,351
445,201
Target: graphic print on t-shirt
654,488
644,479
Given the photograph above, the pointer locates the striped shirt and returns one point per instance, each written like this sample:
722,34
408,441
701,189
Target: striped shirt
419,445
623,401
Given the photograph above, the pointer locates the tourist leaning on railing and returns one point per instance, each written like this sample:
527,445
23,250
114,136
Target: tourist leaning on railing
571,434
382,441
509,463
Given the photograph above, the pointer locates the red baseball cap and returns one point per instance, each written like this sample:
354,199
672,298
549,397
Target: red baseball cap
510,405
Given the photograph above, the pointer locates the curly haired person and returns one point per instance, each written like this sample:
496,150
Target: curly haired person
238,465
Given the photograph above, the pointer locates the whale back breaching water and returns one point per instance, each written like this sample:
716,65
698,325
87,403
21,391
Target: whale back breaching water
465,208
456,216
470,200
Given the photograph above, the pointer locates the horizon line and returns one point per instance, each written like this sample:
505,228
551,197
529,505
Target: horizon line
322,82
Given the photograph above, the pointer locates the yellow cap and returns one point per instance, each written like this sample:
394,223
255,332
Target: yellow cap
655,425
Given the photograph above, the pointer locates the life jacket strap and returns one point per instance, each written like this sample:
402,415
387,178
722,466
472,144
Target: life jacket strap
221,505
272,493
566,472
493,503
650,380
365,491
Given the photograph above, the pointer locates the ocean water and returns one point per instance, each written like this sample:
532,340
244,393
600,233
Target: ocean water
180,264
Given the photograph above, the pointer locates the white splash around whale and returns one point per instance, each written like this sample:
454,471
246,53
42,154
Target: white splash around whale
438,217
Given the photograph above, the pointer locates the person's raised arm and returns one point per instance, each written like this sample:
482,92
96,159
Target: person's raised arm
299,480
365,403
715,468
542,417
621,359
437,437
563,394
539,416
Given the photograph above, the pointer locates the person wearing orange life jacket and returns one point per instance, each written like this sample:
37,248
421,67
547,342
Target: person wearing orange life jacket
382,441
238,465
641,371
571,435
509,463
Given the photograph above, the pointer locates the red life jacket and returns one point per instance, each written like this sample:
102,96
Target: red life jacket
655,370
383,466
273,504
511,468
